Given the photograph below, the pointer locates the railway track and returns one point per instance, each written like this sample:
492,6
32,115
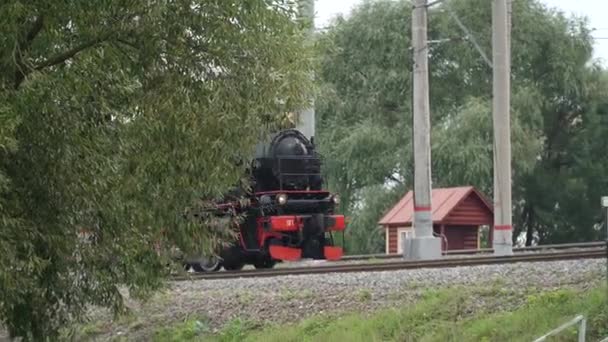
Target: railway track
587,253
486,250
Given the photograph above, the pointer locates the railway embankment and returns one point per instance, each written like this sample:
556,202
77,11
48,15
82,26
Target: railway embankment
232,309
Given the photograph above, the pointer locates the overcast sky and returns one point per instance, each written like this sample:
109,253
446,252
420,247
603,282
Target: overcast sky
595,10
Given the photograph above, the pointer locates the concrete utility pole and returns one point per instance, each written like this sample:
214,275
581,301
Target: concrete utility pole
605,209
306,117
503,231
423,245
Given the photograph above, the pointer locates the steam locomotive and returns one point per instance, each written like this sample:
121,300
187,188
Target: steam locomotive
289,216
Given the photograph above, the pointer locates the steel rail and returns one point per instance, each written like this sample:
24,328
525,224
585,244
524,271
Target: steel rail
403,265
483,250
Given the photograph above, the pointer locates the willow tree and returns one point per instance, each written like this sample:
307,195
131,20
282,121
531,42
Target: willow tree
115,117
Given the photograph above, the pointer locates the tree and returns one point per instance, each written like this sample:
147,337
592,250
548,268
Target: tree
116,117
365,112
364,234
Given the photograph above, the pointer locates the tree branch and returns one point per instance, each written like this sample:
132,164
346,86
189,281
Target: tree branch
128,43
34,30
63,56
23,44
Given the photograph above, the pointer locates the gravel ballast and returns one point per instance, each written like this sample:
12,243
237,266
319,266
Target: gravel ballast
292,298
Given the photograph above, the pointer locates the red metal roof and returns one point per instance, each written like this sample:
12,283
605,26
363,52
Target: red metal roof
443,201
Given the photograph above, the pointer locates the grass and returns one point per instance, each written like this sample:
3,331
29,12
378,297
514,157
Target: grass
245,297
92,329
288,295
440,315
188,330
364,295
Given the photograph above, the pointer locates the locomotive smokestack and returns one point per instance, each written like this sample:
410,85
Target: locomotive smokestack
306,117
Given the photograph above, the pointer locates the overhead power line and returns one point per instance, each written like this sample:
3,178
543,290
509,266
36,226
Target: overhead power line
468,35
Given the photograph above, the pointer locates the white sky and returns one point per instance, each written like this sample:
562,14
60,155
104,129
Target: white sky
595,10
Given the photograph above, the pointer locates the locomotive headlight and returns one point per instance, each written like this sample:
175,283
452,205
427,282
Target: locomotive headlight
282,199
336,199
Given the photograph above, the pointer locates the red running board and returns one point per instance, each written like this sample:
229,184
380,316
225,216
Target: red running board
294,254
332,252
285,253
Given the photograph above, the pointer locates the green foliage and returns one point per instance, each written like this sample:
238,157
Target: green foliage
558,113
235,330
364,295
362,235
444,315
186,331
115,117
554,298
300,294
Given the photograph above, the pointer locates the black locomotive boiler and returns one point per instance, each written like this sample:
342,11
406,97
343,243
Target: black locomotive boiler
289,216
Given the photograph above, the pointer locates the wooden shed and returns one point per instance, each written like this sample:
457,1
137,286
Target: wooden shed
458,214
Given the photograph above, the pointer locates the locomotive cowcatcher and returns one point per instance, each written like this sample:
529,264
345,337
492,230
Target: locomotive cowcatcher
288,215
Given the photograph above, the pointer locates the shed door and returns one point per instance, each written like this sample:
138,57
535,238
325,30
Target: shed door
461,237
455,237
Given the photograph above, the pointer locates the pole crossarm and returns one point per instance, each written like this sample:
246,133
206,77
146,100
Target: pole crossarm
468,35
